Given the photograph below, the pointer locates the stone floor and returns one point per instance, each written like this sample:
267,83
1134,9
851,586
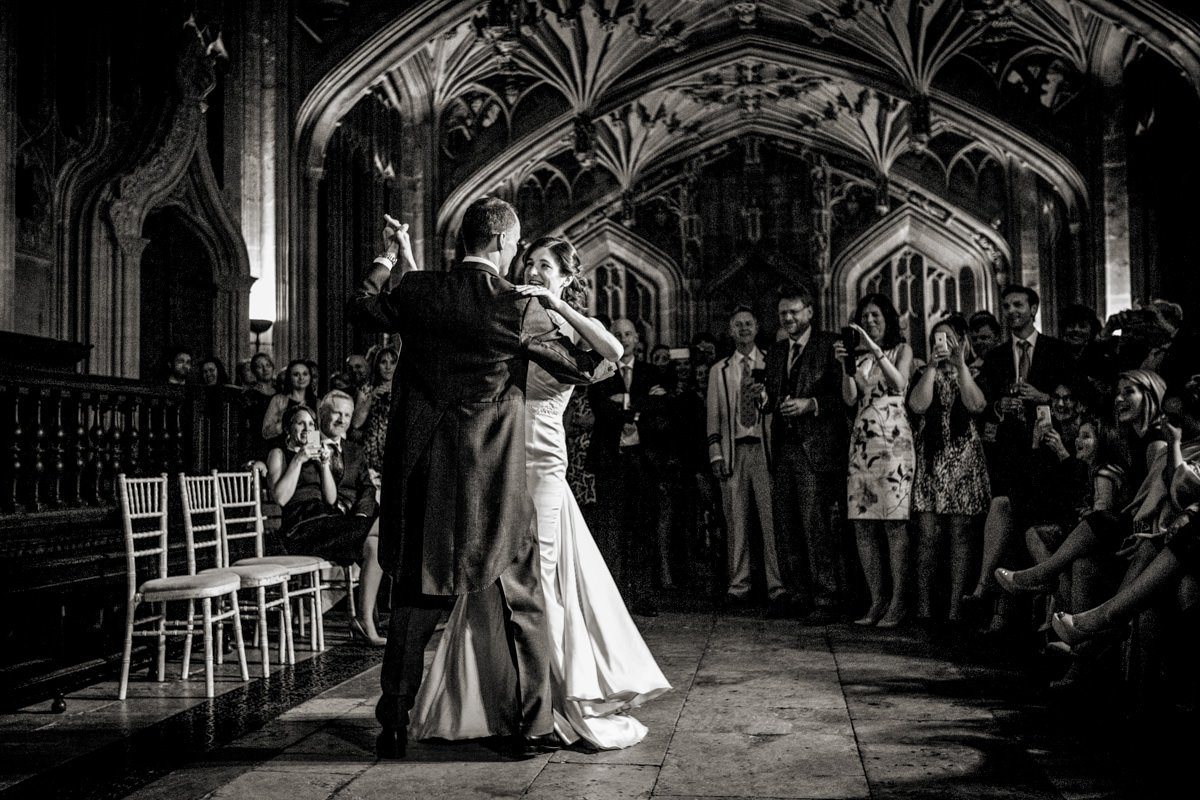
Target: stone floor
761,709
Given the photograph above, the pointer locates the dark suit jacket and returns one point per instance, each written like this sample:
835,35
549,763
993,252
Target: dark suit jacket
356,490
824,437
604,449
1053,363
1014,471
456,511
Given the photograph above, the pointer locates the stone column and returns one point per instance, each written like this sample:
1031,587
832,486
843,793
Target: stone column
8,178
1111,211
418,167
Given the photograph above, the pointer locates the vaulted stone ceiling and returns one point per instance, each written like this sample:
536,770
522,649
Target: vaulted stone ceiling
636,90
633,86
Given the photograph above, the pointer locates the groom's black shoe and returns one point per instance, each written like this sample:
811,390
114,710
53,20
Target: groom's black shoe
518,746
392,743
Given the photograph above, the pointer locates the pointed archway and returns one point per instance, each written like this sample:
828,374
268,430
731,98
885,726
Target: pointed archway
928,268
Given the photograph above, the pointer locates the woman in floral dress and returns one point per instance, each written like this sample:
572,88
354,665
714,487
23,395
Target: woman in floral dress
951,483
881,455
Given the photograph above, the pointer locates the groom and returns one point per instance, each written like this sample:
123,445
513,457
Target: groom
456,516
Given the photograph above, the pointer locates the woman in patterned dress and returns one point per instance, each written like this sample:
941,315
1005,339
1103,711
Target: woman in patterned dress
951,483
881,455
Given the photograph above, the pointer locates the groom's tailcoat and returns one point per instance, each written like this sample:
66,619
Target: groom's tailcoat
455,509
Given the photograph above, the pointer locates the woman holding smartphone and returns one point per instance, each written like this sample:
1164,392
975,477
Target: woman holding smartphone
951,484
881,455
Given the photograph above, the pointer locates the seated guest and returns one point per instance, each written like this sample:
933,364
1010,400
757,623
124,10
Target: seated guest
297,389
1098,449
1098,534
327,497
1164,546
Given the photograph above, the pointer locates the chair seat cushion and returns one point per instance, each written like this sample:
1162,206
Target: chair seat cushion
184,587
294,564
253,575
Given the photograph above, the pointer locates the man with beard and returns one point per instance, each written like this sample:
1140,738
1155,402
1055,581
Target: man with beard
809,440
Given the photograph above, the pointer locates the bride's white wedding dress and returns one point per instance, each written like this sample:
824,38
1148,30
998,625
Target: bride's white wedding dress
600,666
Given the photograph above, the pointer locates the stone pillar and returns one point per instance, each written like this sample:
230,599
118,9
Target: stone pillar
8,178
418,168
1025,238
1111,212
259,127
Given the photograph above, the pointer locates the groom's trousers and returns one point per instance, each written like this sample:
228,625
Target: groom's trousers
415,617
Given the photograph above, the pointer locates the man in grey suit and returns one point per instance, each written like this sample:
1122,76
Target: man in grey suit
456,515
738,441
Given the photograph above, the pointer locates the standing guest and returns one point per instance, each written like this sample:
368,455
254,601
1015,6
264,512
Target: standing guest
626,483
297,390
256,397
245,373
879,491
212,372
738,443
374,404
358,372
808,448
951,484
579,420
179,366
1018,376
704,350
985,332
326,497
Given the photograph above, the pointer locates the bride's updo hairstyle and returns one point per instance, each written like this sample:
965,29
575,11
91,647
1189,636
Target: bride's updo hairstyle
575,293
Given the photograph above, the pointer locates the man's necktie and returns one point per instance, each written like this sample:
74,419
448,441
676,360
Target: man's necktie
627,375
1023,360
747,410
337,467
793,360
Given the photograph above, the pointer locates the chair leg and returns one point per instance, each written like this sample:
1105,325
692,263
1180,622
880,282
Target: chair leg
237,637
209,687
347,572
319,612
286,626
127,652
187,639
262,633
161,641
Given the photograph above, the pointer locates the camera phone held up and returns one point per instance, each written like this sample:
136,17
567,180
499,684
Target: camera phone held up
850,338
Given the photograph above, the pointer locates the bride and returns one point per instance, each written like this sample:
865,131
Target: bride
599,665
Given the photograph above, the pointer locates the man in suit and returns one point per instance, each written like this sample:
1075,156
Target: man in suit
1018,376
625,406
738,441
809,439
457,516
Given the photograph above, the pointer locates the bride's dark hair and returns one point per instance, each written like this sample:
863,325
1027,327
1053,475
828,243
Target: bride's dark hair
575,293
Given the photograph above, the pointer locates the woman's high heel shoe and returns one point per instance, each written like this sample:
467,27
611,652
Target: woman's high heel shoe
359,634
872,617
1008,583
1064,625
